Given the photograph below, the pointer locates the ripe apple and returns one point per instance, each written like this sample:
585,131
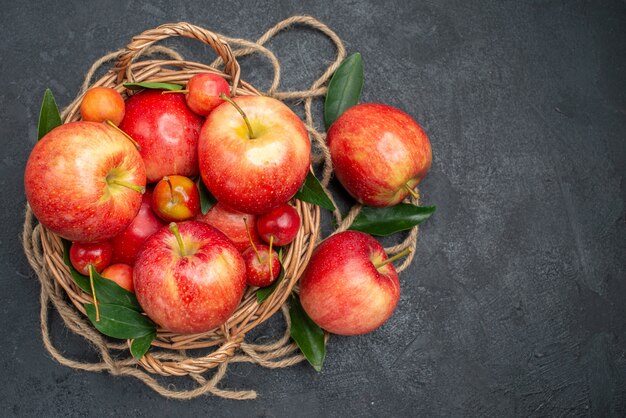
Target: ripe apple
204,91
379,153
280,225
349,287
176,198
84,181
101,104
122,274
257,163
189,278
232,223
258,271
98,254
126,245
167,131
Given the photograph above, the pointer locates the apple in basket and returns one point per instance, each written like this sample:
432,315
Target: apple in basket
189,277
84,181
254,153
379,153
233,224
167,132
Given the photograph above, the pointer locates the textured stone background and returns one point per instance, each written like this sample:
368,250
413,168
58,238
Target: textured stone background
515,304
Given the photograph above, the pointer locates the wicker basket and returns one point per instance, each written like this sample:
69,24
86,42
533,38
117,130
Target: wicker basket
226,339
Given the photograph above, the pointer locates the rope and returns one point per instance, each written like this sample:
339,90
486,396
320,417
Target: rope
277,354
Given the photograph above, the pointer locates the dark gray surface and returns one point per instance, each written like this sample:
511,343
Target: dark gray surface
515,304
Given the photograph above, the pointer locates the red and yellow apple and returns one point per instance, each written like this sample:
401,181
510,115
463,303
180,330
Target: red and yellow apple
167,132
232,223
84,181
126,244
379,153
255,171
189,278
348,288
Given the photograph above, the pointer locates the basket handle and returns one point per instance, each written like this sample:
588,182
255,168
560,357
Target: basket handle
140,42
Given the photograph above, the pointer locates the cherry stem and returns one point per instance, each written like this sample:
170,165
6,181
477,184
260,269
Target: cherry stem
241,112
93,291
114,126
174,91
169,183
258,256
394,258
269,258
174,228
139,189
410,190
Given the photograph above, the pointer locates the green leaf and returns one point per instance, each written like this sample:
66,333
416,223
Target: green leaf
141,345
153,86
344,89
109,292
392,219
81,281
307,334
207,200
119,322
263,293
49,117
313,192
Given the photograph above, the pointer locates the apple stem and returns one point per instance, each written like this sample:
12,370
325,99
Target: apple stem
174,228
174,91
139,189
401,254
269,258
117,128
410,190
241,112
93,291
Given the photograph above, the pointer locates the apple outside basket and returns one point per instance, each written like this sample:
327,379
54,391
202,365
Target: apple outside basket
174,354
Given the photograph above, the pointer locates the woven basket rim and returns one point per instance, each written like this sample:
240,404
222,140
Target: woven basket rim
225,339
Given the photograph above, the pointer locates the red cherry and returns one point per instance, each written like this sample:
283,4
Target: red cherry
98,254
127,244
176,198
204,92
122,274
282,223
258,266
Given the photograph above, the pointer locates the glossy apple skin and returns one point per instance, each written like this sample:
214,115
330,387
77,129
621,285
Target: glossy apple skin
122,274
282,223
254,175
231,223
126,245
66,181
204,92
179,203
258,272
376,149
167,131
194,293
342,291
98,254
101,104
